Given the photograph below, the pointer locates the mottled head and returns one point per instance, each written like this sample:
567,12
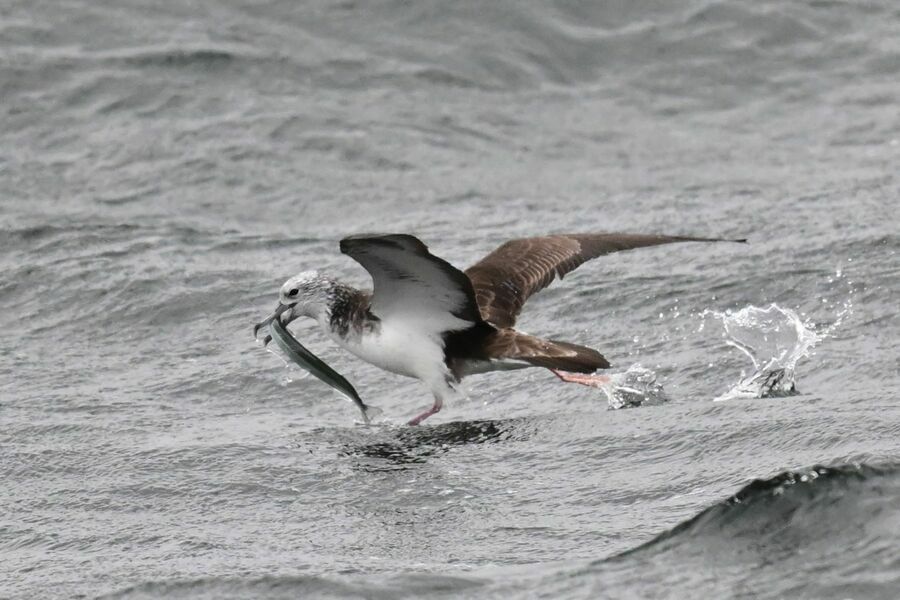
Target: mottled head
306,294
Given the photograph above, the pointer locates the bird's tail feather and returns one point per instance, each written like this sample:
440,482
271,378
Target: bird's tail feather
552,354
578,359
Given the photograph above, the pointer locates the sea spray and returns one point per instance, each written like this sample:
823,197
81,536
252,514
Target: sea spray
635,387
774,339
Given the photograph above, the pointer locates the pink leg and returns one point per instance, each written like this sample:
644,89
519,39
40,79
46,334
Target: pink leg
590,380
435,408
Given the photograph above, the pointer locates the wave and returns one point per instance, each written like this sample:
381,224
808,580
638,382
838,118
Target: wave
297,586
202,58
671,48
767,509
820,532
824,531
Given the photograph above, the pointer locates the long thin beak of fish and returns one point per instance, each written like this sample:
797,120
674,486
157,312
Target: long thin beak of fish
264,323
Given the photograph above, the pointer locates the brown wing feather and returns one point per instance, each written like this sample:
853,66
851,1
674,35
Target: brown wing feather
505,278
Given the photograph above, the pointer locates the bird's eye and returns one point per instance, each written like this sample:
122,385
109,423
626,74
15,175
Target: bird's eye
293,292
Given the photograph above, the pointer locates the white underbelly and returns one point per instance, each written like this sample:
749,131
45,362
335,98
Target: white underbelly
398,350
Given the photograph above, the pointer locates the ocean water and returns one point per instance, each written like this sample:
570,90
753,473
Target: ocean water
165,166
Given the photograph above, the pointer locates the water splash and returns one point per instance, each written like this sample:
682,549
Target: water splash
774,339
635,387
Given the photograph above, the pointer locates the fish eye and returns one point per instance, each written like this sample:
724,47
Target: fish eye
293,292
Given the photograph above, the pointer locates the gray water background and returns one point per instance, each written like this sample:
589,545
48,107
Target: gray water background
165,166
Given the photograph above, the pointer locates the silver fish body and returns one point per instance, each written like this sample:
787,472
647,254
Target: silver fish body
301,356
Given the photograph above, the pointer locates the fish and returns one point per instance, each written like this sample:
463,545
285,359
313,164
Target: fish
301,356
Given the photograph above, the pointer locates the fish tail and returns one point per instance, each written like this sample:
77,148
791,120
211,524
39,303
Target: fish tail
370,412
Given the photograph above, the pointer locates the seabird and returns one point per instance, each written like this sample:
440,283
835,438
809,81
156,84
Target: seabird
428,320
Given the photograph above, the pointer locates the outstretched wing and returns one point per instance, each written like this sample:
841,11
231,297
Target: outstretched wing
412,283
505,278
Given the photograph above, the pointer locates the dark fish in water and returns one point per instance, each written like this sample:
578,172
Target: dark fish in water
300,355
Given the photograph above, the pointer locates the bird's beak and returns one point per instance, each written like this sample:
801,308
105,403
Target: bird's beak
265,322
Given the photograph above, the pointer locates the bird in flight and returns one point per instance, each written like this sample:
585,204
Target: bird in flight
429,320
